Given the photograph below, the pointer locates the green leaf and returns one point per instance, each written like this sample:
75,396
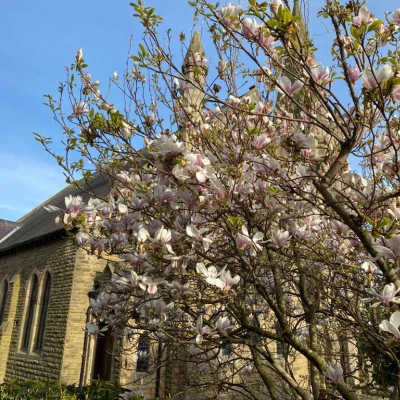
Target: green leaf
375,25
354,32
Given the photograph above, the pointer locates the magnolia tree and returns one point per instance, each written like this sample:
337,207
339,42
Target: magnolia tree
249,224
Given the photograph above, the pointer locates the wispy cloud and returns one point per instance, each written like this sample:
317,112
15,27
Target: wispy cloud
26,183
14,208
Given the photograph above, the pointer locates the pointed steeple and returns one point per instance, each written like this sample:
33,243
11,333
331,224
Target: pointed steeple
296,12
195,69
195,48
296,9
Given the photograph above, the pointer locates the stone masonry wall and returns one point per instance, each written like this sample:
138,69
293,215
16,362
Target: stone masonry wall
87,267
58,257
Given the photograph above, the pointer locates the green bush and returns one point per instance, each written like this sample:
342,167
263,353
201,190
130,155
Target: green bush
35,390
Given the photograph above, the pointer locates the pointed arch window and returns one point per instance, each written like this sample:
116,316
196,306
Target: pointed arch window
33,292
142,364
3,300
43,312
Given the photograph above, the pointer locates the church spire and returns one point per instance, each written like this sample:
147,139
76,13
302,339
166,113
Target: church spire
194,69
303,33
195,55
296,9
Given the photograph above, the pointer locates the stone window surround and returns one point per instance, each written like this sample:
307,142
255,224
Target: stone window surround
31,352
45,299
4,293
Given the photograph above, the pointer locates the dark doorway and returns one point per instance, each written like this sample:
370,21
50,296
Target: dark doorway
104,357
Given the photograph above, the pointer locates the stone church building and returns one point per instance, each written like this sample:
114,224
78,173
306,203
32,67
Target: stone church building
46,283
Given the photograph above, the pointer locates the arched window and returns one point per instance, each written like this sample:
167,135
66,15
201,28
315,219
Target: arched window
31,311
3,300
43,312
142,364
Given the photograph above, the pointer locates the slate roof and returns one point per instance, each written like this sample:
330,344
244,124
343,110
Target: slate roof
39,223
6,227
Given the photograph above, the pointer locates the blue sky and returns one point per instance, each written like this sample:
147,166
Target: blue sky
37,39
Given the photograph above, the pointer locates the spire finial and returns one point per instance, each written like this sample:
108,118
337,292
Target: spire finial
303,29
296,9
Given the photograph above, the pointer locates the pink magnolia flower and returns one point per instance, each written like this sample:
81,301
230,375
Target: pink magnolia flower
226,281
396,17
243,241
230,14
201,330
200,60
80,109
334,373
177,288
392,325
210,273
392,251
93,85
303,141
94,329
369,267
222,66
250,28
265,40
395,93
97,245
281,238
387,296
150,285
182,85
320,75
161,308
354,74
286,86
82,238
163,236
363,18
275,4
261,74
74,207
383,30
261,141
167,146
223,324
197,234
371,80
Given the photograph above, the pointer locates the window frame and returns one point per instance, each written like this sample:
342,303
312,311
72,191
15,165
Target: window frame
42,315
32,297
142,363
226,348
5,288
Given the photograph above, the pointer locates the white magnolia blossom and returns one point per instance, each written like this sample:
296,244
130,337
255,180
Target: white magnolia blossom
223,324
334,373
289,88
392,325
372,79
198,234
211,273
387,296
201,330
244,242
